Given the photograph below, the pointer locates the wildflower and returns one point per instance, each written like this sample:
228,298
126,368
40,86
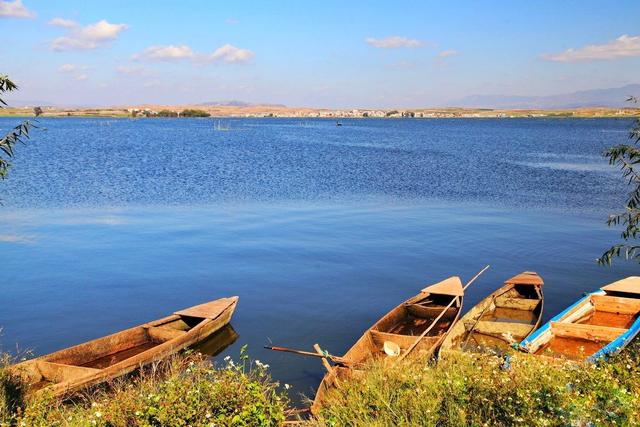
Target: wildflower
98,414
208,415
287,386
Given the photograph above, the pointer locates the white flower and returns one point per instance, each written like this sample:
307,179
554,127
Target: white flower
208,415
287,386
226,359
98,414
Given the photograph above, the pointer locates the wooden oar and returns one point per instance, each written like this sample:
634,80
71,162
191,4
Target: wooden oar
334,359
433,324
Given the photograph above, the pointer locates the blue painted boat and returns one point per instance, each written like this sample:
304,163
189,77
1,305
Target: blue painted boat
600,324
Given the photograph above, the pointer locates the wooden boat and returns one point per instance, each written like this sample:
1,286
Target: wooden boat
401,327
503,318
69,370
601,323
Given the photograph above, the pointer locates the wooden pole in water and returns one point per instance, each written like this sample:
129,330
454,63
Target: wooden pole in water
325,363
335,359
433,324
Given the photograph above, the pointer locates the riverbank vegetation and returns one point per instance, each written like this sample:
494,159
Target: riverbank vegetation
473,389
184,391
462,389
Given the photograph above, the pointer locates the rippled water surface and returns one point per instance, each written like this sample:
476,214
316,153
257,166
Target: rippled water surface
319,229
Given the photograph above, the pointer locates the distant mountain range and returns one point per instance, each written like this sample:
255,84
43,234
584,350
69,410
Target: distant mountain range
235,103
610,98
28,103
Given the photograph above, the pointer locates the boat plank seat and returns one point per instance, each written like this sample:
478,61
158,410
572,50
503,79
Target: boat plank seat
525,278
161,334
517,303
404,341
619,305
586,332
500,329
430,312
58,372
209,310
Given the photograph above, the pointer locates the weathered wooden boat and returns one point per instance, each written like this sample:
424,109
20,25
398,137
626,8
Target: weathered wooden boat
599,324
69,370
434,310
503,318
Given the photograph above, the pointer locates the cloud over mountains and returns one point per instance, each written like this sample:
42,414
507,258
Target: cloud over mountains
623,47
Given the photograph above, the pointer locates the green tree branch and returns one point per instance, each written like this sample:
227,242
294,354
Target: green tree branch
627,158
19,134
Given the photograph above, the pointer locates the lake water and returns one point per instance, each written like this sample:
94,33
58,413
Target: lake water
319,229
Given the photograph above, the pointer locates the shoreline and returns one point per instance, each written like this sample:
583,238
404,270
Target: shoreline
308,113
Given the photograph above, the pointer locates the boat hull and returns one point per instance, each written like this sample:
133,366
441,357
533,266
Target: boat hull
600,324
67,371
503,318
402,326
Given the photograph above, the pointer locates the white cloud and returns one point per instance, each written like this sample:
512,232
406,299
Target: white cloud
623,47
91,36
447,53
67,68
393,42
126,69
78,72
64,23
14,9
227,53
167,53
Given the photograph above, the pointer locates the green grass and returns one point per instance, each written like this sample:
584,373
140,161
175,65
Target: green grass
476,390
463,389
185,391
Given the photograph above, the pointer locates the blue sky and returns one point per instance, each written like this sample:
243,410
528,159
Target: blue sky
321,54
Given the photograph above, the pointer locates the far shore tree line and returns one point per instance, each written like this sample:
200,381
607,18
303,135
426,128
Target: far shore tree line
189,112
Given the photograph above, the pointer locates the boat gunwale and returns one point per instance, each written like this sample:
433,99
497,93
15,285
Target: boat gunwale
129,364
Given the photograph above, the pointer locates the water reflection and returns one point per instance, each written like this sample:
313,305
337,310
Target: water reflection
217,342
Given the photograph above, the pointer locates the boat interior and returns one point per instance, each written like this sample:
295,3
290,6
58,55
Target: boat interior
91,357
506,319
411,319
588,327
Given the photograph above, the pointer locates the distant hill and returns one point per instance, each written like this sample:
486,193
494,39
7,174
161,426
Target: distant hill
18,103
610,98
235,103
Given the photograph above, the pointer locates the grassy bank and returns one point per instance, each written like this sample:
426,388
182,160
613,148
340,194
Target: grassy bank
476,390
185,391
463,389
